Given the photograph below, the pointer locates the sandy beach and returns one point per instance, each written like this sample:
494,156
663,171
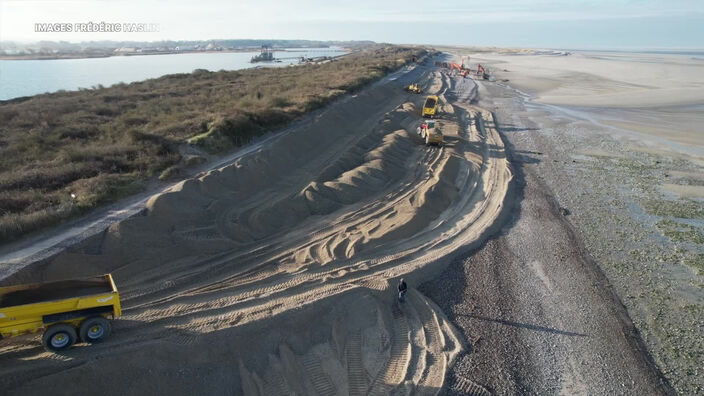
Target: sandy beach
544,243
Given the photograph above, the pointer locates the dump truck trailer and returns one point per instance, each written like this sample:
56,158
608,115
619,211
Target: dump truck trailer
67,311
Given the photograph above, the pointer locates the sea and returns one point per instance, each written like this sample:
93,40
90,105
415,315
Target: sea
20,78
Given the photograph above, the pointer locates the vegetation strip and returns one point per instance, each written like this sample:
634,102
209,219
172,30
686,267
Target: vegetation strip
64,153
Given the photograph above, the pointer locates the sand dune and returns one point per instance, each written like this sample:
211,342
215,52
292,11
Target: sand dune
280,269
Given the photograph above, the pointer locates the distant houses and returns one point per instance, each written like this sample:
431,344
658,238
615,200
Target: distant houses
164,49
61,49
198,47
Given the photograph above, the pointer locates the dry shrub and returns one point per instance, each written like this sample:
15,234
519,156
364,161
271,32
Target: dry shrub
102,143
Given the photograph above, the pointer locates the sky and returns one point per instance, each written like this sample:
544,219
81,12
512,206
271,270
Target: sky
573,24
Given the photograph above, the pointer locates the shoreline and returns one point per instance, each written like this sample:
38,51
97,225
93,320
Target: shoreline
286,62
110,55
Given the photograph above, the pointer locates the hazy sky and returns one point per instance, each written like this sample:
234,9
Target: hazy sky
536,23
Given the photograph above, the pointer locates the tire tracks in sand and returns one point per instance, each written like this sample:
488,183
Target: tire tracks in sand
376,206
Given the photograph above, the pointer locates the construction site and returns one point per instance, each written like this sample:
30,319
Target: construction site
276,271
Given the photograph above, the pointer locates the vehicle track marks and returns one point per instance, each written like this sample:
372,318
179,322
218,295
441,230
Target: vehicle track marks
355,372
394,369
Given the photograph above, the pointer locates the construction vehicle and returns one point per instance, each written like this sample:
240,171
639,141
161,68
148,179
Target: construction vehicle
430,133
481,71
454,65
424,126
414,88
430,107
434,136
67,311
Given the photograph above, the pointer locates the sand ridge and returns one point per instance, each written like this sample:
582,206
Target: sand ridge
319,225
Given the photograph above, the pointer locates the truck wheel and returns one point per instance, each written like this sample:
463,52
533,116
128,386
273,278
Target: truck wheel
95,329
427,140
59,337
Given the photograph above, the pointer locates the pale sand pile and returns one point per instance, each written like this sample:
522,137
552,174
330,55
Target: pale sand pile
280,268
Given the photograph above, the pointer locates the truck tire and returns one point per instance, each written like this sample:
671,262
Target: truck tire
95,329
427,140
59,337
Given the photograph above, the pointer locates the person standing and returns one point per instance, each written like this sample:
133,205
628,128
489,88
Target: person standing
402,288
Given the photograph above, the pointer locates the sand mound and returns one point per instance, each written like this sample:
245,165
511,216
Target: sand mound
357,175
271,275
372,347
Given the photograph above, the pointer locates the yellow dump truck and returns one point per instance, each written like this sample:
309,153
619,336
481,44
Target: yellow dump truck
67,311
430,107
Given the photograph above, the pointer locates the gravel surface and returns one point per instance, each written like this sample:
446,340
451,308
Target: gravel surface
538,313
610,183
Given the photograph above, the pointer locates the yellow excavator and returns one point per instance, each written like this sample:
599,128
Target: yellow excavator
414,88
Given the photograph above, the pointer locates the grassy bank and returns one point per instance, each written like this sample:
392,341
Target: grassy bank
65,153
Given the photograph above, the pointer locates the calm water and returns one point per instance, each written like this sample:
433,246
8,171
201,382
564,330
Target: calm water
31,77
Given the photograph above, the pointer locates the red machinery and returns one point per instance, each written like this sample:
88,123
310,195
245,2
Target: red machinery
461,68
465,63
